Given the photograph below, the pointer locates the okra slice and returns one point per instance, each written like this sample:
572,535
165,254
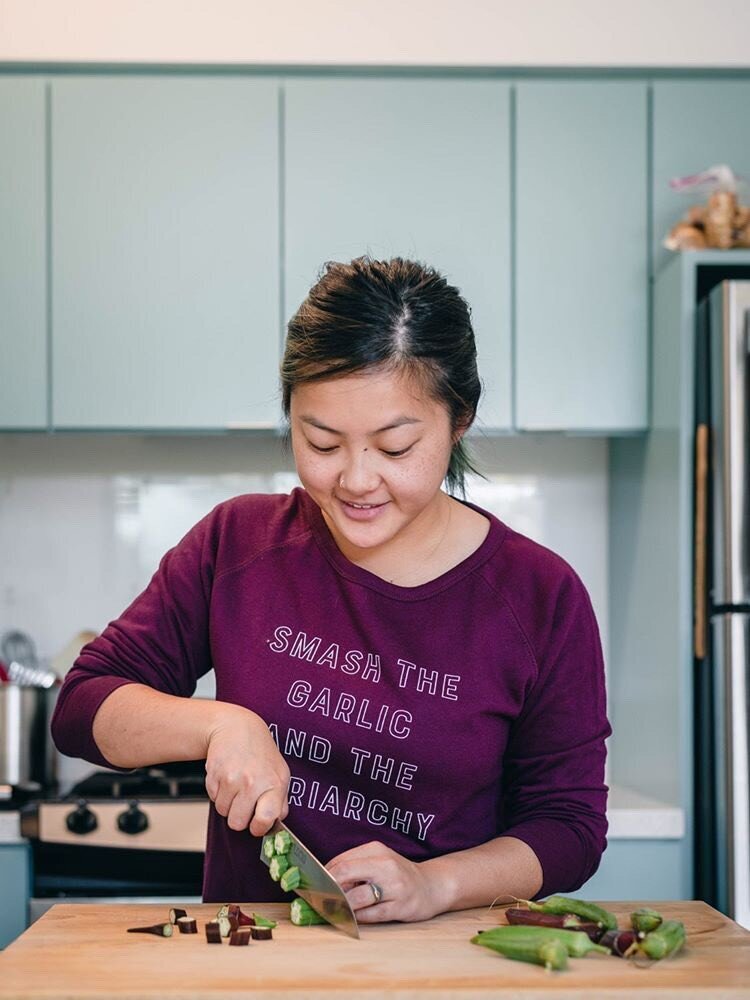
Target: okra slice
235,914
175,913
268,848
263,921
302,914
282,842
187,925
291,879
278,866
158,930
241,936
213,932
261,933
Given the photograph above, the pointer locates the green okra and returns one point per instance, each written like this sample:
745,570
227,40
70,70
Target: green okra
645,920
291,878
302,914
282,842
268,847
666,940
278,866
579,907
263,921
550,952
576,943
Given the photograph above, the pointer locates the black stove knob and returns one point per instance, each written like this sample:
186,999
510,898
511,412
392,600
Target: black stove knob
82,820
133,820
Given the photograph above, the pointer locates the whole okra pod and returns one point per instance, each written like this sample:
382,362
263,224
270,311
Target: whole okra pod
645,920
576,943
621,943
666,940
564,921
587,911
550,953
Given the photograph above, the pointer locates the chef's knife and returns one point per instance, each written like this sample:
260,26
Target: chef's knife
317,886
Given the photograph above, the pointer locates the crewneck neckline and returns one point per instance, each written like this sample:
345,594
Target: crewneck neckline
357,574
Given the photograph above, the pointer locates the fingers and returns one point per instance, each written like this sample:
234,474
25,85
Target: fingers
238,800
373,848
270,806
379,913
361,897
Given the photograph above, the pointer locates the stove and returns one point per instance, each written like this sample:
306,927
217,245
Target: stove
136,834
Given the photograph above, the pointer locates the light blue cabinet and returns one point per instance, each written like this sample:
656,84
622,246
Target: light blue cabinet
638,870
15,879
581,256
165,262
411,168
697,124
23,303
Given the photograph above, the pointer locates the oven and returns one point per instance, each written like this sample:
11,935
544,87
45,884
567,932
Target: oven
138,836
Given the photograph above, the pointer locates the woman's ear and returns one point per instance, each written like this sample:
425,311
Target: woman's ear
459,431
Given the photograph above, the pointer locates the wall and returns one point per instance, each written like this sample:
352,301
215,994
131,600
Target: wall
84,520
391,32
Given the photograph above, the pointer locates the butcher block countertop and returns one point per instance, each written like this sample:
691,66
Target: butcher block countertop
84,951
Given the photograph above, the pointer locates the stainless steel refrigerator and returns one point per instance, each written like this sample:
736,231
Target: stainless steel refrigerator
722,600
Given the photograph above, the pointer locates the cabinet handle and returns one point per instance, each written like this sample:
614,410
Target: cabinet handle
701,487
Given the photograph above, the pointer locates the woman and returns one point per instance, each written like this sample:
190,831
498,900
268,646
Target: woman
418,686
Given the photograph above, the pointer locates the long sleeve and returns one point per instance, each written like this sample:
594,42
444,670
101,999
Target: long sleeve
161,640
554,793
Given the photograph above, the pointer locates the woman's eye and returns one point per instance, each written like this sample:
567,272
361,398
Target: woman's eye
322,451
396,454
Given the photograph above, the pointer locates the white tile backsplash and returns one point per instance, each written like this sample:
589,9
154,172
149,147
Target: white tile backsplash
84,519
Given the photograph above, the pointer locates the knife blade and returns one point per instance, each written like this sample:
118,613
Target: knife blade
317,886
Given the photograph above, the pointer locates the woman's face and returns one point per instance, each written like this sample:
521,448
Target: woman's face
372,451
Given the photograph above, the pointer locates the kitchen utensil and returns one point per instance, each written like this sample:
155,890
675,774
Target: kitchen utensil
25,745
318,887
19,647
25,676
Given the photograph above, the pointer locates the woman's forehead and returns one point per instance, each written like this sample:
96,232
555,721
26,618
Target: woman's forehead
379,400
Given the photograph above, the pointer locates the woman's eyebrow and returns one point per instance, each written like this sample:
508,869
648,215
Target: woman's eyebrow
398,422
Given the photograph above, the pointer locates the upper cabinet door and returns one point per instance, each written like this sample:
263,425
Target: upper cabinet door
697,124
582,256
417,169
165,252
23,286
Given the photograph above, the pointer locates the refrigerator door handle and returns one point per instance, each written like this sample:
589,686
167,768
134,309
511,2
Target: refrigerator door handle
701,531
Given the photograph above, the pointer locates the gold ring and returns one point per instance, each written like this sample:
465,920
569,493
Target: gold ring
376,891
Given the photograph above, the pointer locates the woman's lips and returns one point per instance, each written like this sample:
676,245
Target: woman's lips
361,512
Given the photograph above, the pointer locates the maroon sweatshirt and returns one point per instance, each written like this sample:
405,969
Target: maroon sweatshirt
431,718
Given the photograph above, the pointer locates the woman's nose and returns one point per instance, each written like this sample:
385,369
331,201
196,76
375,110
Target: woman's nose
359,475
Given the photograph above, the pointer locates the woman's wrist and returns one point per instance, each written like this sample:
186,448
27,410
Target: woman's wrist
442,881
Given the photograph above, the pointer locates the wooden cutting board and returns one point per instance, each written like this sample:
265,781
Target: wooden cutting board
84,951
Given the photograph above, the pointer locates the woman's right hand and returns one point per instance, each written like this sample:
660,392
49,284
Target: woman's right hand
247,778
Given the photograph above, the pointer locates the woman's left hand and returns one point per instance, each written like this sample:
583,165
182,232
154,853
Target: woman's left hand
405,889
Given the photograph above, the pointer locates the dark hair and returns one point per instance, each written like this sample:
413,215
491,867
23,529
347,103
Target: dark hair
388,314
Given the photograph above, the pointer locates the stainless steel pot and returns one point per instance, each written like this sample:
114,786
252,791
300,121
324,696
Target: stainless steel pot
26,753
